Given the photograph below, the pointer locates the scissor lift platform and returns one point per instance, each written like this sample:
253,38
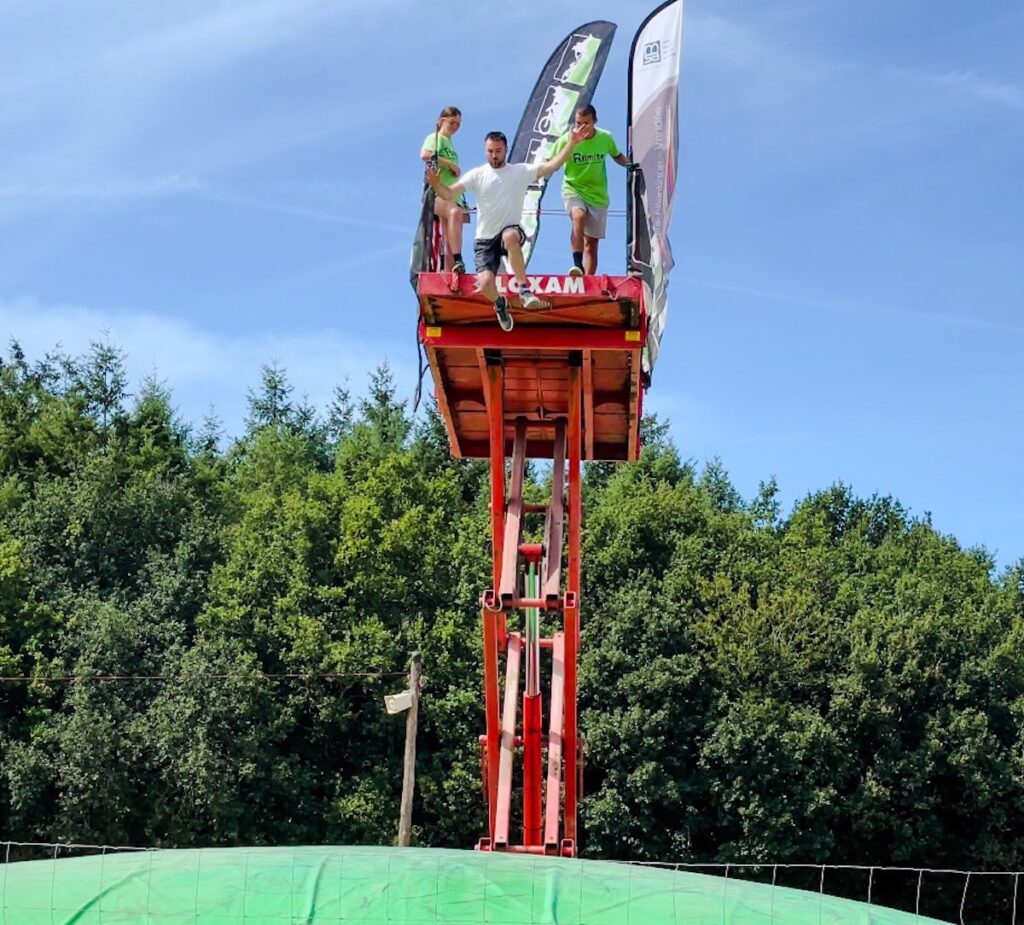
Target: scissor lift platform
595,323
564,384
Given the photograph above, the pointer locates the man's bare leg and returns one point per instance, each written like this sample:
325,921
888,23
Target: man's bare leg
590,255
510,239
485,285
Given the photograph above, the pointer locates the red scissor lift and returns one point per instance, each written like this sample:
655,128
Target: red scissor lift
564,385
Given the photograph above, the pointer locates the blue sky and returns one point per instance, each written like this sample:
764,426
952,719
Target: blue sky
219,183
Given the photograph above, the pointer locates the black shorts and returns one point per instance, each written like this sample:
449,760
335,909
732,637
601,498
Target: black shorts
489,251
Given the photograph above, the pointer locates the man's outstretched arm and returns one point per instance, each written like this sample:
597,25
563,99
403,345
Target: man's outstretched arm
451,193
575,137
621,159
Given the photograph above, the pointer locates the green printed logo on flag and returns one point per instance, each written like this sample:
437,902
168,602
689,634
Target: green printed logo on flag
556,111
578,59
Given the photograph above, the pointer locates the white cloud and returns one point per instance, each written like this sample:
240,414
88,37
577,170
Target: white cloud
845,307
105,191
771,66
169,42
244,200
774,99
185,87
203,367
968,84
27,197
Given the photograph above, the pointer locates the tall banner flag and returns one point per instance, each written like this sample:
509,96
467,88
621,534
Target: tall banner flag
567,82
653,141
419,259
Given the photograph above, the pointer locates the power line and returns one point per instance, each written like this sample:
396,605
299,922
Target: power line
201,676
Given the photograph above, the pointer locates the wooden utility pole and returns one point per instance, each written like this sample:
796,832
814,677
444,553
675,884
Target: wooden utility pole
409,767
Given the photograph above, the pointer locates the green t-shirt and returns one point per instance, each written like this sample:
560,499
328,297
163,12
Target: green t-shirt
585,173
441,145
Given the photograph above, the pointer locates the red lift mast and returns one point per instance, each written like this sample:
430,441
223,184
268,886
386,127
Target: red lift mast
564,385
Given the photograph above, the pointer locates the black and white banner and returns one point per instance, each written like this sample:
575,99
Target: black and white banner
653,141
567,82
419,259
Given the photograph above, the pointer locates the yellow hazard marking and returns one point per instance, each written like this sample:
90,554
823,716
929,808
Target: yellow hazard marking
433,331
631,335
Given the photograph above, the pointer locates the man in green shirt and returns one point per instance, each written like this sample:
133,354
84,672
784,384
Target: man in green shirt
585,189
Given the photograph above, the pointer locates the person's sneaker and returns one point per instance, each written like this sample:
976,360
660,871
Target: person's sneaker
529,300
575,270
504,316
458,267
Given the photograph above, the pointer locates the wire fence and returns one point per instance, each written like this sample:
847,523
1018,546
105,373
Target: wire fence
273,884
985,897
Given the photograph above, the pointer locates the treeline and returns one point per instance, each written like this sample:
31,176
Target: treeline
839,684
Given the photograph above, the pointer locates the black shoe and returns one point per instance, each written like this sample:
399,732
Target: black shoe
501,310
458,267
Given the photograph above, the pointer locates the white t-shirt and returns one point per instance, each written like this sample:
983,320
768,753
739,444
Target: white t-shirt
499,195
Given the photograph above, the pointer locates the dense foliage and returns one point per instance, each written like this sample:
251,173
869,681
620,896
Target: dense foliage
842,684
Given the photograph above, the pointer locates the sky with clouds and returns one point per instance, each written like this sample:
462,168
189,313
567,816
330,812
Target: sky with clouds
213,184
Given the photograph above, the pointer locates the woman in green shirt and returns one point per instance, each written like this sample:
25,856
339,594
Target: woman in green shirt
453,215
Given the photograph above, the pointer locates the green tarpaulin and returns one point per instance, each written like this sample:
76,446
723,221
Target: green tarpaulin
388,886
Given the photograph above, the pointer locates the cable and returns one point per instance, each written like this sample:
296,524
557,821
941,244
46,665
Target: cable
216,676
619,213
418,394
612,213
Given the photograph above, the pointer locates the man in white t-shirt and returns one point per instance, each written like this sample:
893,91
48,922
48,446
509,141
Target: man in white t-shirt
500,188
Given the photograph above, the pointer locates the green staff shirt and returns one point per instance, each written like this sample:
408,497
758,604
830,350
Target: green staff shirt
585,173
441,145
